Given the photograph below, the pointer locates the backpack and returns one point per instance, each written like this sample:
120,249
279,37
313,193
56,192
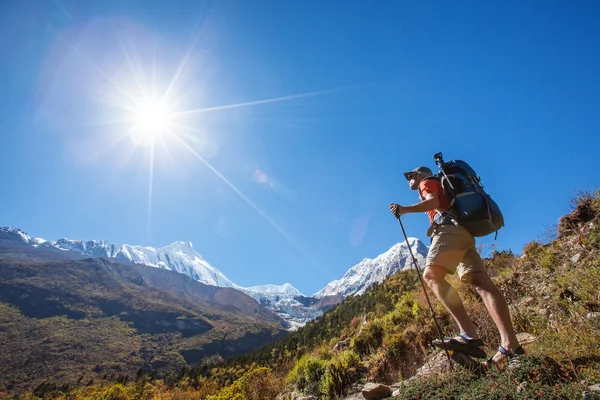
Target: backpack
472,207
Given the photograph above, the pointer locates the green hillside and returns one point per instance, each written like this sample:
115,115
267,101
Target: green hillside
69,321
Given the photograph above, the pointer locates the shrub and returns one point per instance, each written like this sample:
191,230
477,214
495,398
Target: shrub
532,249
355,323
256,384
369,339
340,374
307,373
548,260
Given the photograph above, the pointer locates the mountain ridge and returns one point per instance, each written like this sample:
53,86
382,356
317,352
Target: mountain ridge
285,300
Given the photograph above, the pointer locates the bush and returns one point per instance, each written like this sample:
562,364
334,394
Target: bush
548,260
532,249
340,374
307,373
256,384
355,323
369,339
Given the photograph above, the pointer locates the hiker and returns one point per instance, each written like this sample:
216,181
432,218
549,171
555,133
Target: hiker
452,251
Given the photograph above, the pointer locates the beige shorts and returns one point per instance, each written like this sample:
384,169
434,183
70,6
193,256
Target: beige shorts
453,248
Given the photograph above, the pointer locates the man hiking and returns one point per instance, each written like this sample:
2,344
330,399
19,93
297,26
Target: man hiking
452,251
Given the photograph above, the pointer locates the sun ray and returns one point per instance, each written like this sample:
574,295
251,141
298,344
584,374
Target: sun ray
154,67
255,102
244,197
129,62
98,69
164,150
183,63
131,110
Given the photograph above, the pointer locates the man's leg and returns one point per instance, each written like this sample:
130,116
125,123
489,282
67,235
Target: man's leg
435,278
496,305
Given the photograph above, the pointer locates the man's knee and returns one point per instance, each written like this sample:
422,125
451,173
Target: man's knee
434,274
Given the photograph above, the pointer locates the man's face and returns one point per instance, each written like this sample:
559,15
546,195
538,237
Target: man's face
414,181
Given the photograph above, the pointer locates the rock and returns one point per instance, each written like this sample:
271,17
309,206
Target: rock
568,294
593,315
302,397
522,386
595,388
525,338
397,387
436,364
588,395
576,257
295,396
376,391
341,345
355,396
465,361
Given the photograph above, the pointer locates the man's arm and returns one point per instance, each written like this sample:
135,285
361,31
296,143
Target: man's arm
431,202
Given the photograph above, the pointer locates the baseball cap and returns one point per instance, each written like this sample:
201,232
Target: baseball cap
423,171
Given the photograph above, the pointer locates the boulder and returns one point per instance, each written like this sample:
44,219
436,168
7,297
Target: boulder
525,338
376,391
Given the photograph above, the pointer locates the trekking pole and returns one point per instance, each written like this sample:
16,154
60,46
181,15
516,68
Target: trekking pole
426,296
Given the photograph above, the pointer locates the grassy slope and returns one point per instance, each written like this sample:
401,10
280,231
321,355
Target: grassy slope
66,321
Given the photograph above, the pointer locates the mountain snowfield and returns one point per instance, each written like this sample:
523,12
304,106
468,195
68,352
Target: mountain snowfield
285,300
369,271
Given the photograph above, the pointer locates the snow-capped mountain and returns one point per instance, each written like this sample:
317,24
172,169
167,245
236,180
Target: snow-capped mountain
273,290
178,256
285,300
360,277
18,236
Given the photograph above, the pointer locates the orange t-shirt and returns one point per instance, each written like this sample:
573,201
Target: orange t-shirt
435,187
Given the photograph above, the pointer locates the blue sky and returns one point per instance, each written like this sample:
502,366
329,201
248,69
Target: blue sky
295,190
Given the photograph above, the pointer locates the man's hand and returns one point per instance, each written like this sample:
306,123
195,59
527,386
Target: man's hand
397,210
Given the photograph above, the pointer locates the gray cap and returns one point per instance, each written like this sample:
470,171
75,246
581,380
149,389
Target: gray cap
422,171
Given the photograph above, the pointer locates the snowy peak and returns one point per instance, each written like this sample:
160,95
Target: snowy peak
185,248
286,301
18,235
285,289
369,271
178,256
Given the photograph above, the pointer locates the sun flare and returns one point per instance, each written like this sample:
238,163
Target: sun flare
151,119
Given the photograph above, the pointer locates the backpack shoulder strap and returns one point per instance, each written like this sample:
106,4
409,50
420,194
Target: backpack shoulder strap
444,213
427,179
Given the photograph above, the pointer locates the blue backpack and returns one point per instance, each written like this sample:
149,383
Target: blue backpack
472,207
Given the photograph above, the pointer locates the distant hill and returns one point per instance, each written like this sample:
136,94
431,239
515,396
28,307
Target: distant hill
65,319
284,300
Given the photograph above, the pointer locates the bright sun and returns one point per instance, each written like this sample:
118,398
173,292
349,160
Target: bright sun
152,119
